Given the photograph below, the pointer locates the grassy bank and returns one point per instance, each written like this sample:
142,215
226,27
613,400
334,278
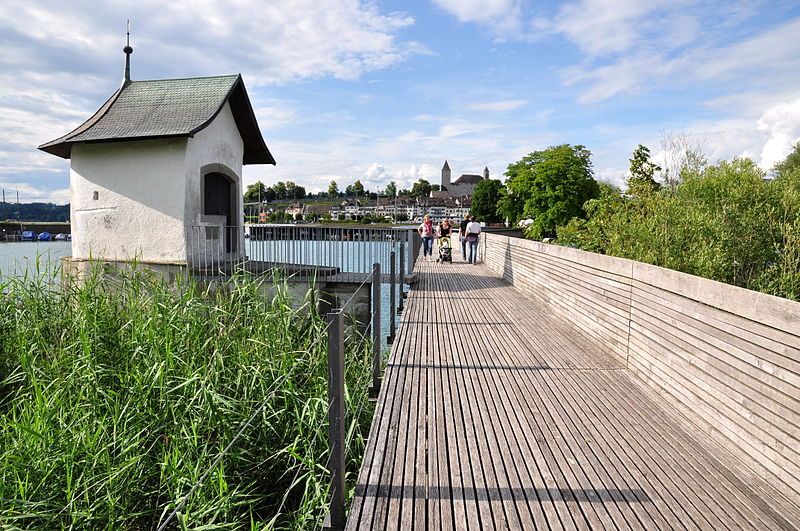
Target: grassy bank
114,402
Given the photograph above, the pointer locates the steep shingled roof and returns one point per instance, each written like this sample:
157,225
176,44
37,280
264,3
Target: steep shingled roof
468,179
169,108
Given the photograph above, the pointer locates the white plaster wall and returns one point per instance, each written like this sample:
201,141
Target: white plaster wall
218,144
139,207
149,191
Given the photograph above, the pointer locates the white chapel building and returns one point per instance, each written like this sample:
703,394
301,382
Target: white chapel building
156,172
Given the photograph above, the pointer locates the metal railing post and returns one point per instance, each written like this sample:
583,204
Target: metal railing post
392,296
402,281
335,519
377,340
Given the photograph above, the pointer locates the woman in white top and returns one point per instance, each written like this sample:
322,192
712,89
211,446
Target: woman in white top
473,232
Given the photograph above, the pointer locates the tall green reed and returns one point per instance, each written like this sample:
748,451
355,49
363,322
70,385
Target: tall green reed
117,393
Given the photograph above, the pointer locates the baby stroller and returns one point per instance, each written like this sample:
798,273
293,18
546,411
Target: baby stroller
445,250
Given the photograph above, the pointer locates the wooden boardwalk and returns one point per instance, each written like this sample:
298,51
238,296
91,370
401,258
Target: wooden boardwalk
494,414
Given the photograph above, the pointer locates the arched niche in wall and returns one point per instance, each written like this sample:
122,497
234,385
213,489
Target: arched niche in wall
220,198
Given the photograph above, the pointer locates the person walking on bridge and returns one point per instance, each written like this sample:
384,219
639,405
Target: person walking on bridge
462,235
473,233
426,233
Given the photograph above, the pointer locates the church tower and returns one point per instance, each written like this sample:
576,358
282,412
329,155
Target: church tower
446,175
486,173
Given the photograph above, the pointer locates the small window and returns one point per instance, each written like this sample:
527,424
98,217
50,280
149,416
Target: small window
96,195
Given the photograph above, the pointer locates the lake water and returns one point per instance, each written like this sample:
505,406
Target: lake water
19,258
33,258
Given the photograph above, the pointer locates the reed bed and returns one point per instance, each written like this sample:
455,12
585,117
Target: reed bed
116,396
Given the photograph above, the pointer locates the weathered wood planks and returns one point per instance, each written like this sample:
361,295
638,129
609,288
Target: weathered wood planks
725,358
498,413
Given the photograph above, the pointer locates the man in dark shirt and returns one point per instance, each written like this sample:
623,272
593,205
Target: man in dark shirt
463,236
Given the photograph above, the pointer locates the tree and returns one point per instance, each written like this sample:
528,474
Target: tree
280,190
790,164
484,201
391,189
349,190
358,189
294,191
255,192
333,189
421,188
682,153
549,187
642,179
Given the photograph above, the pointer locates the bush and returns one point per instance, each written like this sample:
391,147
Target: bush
723,222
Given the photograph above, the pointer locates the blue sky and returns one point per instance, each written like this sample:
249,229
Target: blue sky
387,90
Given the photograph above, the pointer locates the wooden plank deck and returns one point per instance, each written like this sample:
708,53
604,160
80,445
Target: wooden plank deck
494,414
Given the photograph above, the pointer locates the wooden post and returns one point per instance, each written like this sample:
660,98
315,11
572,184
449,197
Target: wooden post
377,339
335,519
392,296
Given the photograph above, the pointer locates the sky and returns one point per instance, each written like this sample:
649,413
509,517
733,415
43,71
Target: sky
382,90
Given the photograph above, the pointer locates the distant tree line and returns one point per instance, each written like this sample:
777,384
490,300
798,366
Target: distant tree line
289,191
421,188
280,190
45,212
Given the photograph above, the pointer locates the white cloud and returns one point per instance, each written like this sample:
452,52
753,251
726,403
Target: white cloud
773,52
601,27
626,55
781,124
274,114
377,176
374,171
274,41
31,194
507,105
502,16
457,129
613,176
61,61
767,139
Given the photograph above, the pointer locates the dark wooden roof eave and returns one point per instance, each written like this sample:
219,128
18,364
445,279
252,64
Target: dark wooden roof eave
255,149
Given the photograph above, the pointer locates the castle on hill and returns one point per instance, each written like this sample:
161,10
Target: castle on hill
464,185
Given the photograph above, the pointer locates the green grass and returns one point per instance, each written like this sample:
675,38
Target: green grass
115,399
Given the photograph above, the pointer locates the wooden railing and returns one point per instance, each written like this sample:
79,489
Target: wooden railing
726,358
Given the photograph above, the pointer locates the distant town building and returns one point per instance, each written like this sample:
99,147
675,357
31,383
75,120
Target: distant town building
294,209
160,165
464,185
316,210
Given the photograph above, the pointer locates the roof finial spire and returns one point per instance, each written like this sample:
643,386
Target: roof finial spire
128,51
